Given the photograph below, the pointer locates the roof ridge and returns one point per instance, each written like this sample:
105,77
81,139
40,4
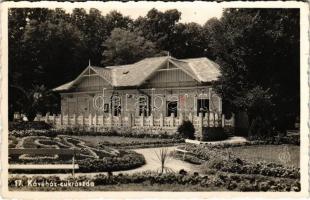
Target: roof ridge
201,69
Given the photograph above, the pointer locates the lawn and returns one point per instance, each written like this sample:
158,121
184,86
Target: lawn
269,153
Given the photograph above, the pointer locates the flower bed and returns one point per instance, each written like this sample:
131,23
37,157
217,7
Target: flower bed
236,165
34,132
90,158
187,158
24,125
291,139
105,132
128,160
219,181
226,161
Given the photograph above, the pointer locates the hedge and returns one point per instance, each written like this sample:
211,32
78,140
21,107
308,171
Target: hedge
214,134
229,182
77,132
129,160
27,125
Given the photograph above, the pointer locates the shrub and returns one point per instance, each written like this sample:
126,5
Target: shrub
230,182
187,130
187,158
33,132
27,125
260,127
129,160
236,165
214,134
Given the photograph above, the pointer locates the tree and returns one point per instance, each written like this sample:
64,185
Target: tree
93,28
158,27
125,47
163,156
34,100
53,49
115,19
19,71
258,51
187,41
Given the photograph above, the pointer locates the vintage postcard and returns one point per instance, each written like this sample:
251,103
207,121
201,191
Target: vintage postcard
154,99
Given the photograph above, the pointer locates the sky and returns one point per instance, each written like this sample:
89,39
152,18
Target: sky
198,12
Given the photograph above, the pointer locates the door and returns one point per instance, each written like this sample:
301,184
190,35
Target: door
202,106
172,107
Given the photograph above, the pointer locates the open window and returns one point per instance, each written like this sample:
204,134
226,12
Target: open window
202,106
172,107
143,106
116,106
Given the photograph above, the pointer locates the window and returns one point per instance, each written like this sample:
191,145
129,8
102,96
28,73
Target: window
172,107
106,108
202,106
143,106
116,105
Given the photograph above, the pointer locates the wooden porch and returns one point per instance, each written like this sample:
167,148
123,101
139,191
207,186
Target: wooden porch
210,119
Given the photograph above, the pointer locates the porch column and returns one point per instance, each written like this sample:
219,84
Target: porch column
142,120
200,126
102,119
214,120
120,119
223,120
83,120
90,120
180,119
110,121
129,120
190,117
74,119
152,101
220,105
68,120
46,117
61,119
161,120
172,120
200,120
96,119
151,117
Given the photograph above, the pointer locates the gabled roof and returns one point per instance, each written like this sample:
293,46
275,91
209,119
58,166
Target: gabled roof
205,69
201,69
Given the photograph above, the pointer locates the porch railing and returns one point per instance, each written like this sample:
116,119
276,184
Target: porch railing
211,119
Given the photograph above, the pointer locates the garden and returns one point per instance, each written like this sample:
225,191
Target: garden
257,165
91,158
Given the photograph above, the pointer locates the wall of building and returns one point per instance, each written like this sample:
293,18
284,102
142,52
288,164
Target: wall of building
92,94
92,102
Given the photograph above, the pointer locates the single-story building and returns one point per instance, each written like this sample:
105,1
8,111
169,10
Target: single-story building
154,92
158,85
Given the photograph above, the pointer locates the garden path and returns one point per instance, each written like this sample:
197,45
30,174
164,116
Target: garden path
152,164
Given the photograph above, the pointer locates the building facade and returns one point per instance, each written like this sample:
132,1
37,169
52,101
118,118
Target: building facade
158,88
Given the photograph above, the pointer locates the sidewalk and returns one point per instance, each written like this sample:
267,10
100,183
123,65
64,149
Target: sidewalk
231,140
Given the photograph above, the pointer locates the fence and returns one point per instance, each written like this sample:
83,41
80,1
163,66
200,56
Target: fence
210,119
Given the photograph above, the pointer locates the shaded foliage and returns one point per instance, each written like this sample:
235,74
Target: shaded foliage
125,47
257,49
187,130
